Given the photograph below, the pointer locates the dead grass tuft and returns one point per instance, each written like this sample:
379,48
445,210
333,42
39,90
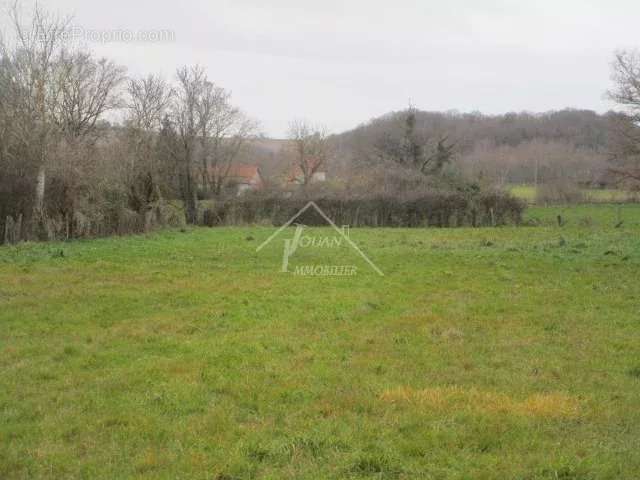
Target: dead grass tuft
551,405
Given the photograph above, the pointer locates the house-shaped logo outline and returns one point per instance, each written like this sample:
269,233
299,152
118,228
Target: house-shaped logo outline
340,231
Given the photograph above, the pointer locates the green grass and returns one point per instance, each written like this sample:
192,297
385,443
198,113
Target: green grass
601,216
528,193
507,353
608,195
524,192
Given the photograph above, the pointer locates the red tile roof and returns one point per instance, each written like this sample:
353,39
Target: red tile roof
240,173
245,172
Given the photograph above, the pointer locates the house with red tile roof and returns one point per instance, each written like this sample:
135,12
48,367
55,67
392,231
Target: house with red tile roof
243,178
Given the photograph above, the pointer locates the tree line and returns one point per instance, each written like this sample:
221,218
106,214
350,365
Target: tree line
65,171
63,167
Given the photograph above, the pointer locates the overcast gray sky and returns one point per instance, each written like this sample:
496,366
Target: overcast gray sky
343,62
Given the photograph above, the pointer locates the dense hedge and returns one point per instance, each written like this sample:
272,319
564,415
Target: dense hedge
437,209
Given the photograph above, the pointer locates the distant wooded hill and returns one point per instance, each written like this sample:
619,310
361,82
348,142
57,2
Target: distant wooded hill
581,128
513,148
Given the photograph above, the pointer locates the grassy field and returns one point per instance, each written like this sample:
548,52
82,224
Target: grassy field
507,353
528,193
602,216
524,192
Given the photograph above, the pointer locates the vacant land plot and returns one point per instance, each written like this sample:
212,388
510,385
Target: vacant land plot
481,353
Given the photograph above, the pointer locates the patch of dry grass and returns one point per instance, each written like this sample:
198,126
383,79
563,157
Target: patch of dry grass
550,405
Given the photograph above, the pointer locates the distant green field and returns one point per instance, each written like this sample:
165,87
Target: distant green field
608,195
525,192
506,353
587,215
528,193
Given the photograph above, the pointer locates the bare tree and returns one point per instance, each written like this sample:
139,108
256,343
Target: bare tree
210,132
147,103
625,126
85,90
148,100
626,77
26,93
310,146
186,117
223,132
